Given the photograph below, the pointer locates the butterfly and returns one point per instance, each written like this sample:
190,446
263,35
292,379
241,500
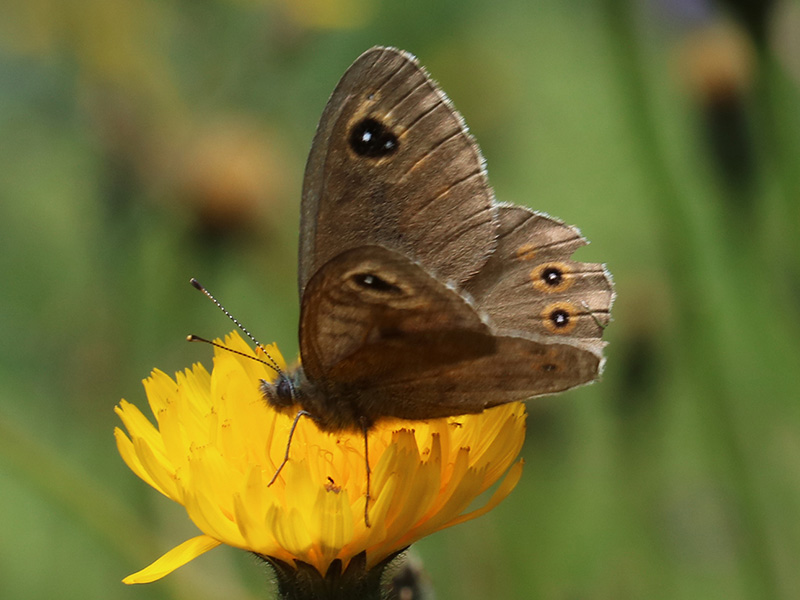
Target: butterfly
421,296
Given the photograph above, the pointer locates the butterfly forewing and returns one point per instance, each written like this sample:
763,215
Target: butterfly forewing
392,164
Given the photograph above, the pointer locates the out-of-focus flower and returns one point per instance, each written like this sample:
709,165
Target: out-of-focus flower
718,67
717,61
217,444
230,177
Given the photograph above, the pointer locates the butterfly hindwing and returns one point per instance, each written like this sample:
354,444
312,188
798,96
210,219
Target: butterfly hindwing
383,336
531,285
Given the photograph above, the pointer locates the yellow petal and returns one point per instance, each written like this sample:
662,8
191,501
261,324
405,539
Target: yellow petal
137,424
159,387
509,482
128,454
331,522
177,557
159,470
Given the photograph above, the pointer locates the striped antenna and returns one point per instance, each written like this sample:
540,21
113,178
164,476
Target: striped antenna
193,338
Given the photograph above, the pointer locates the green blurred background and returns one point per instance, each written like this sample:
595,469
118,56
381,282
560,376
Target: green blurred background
145,142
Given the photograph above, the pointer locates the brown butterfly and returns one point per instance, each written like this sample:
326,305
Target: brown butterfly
421,297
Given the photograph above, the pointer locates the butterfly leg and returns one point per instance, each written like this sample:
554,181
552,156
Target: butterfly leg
365,429
300,413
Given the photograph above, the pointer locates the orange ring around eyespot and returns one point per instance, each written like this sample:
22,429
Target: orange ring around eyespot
564,307
537,277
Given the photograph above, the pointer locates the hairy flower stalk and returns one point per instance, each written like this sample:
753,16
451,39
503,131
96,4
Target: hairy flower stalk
216,444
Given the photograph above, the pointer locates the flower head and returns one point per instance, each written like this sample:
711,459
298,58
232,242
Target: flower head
217,444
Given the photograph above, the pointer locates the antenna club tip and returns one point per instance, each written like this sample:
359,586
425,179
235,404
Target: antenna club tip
196,284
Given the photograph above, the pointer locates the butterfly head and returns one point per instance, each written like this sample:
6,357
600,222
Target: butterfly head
282,393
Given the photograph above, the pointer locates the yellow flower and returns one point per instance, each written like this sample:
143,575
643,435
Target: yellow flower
217,444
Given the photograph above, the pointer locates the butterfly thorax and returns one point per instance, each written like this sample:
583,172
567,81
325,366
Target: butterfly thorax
293,391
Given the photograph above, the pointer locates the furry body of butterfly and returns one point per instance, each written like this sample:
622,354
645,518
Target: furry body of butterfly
421,297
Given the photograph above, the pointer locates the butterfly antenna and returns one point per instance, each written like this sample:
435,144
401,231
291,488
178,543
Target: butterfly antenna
197,338
258,344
